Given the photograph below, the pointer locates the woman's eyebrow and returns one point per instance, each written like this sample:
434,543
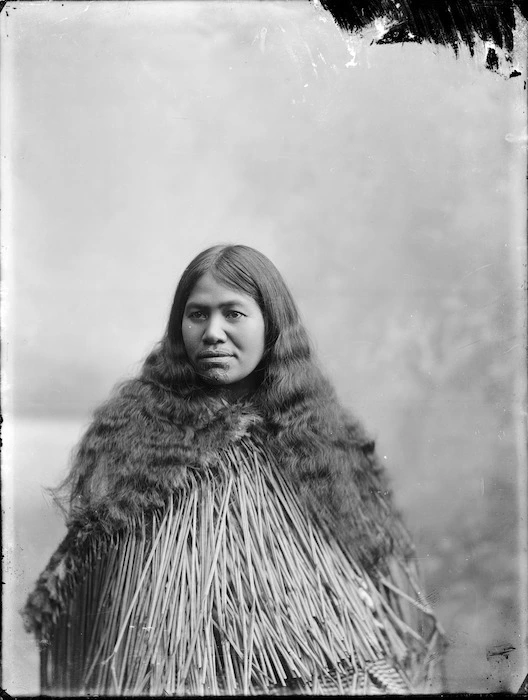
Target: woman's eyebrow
233,302
204,305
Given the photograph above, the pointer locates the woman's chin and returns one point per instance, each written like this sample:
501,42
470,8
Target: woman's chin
220,380
215,377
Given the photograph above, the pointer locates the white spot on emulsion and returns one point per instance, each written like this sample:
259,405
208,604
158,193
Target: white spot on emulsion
521,138
381,26
263,33
261,38
353,62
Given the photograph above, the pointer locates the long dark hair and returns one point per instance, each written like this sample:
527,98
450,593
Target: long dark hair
245,269
292,391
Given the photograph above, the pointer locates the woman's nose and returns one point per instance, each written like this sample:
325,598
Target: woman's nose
214,331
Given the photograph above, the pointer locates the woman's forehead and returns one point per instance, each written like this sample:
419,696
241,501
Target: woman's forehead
208,291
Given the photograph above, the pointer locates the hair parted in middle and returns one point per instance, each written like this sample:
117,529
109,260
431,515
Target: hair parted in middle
286,372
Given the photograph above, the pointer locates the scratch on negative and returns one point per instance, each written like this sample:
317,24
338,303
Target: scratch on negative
499,651
512,348
482,267
461,347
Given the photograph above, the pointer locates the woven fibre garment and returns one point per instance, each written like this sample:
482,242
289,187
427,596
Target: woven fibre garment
233,589
146,443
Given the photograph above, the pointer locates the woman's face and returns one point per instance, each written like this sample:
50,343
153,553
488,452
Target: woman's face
223,334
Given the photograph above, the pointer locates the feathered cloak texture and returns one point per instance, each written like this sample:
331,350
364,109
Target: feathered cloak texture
147,448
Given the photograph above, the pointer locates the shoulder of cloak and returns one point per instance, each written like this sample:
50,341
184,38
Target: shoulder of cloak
143,444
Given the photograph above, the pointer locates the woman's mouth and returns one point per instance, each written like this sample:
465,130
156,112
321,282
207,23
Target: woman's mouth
219,361
210,355
208,361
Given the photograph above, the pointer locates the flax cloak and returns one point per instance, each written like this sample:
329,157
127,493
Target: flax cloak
147,448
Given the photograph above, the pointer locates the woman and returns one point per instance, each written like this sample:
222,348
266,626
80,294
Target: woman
229,527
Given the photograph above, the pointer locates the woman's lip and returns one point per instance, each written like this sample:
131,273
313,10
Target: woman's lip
213,355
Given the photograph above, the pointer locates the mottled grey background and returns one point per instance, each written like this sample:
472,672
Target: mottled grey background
387,184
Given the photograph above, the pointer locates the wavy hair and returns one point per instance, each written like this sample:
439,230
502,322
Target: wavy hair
250,272
290,382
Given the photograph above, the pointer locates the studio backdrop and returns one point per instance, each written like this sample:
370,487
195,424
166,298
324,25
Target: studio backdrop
387,185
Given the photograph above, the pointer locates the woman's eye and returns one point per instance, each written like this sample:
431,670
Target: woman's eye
196,314
234,314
